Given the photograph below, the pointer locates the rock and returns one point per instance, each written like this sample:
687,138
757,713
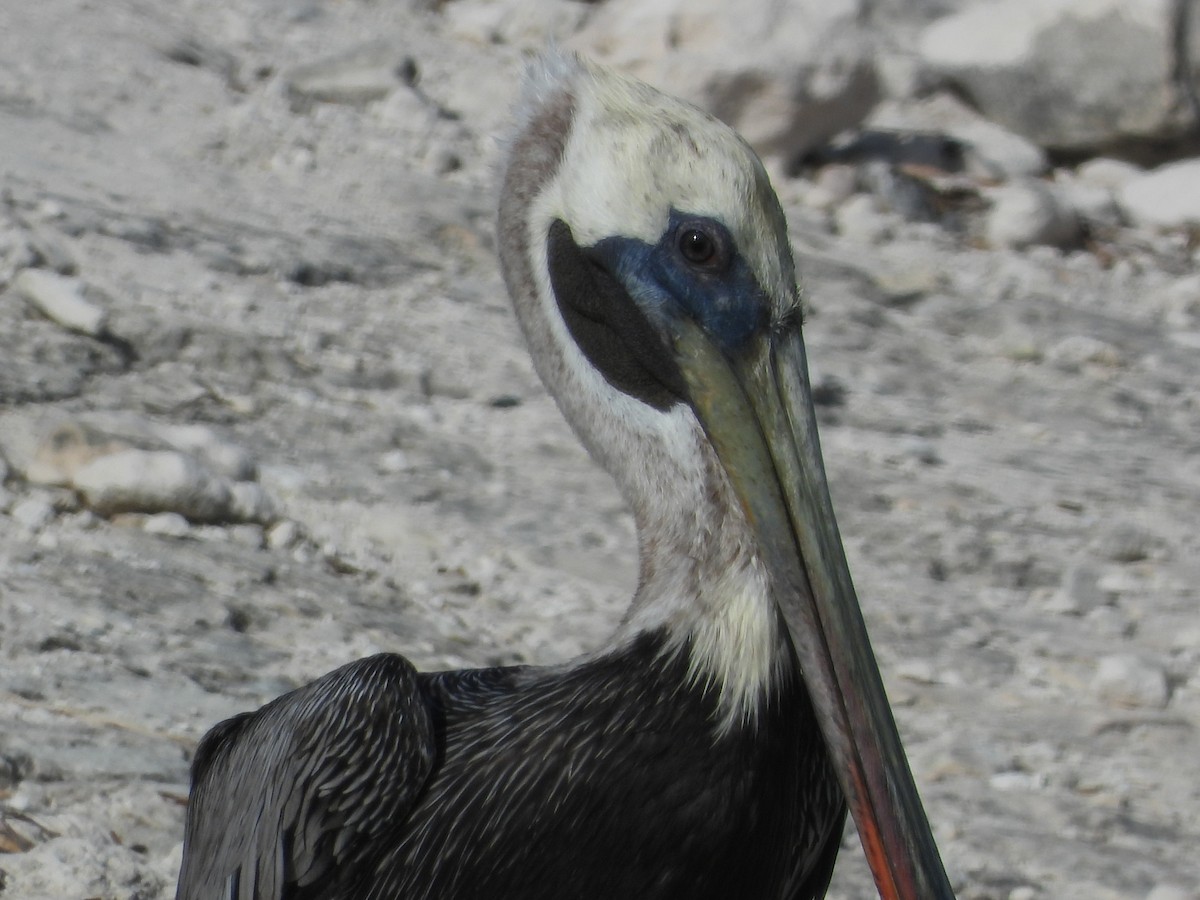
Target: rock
1079,591
358,77
1107,173
75,445
1091,203
32,513
221,456
1073,353
50,252
168,524
1029,212
248,502
1073,75
69,447
1179,301
860,220
152,482
283,535
1167,197
63,300
787,76
1127,542
248,535
1130,681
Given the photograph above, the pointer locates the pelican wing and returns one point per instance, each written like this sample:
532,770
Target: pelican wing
286,797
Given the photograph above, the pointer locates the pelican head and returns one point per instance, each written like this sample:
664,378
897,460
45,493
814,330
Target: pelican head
652,275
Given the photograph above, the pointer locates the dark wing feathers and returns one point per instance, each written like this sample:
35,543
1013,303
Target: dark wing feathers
815,883
283,797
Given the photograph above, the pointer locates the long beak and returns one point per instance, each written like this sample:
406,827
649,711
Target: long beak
757,410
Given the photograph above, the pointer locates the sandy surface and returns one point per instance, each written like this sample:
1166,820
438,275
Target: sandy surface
1013,443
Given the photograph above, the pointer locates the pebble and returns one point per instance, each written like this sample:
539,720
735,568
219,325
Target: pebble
1179,301
1127,542
1028,212
859,220
1079,592
359,77
1167,197
168,524
1107,173
249,502
283,534
33,513
248,535
68,447
50,252
1093,203
1072,353
1129,681
151,482
904,287
62,299
223,457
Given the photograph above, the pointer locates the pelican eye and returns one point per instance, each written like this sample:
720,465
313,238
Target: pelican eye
703,245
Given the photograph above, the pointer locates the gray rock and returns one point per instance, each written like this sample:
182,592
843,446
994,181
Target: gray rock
221,456
151,482
1126,680
283,535
1167,197
1068,74
1094,204
168,524
50,252
248,502
1107,173
247,534
33,513
63,300
1029,212
68,447
860,220
1178,302
787,76
1076,351
1079,591
360,76
1127,542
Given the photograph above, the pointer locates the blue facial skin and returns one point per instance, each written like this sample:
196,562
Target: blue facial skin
722,296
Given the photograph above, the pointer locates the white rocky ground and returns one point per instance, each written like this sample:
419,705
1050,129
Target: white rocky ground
273,415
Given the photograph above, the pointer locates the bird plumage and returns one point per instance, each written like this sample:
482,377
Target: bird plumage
512,782
709,748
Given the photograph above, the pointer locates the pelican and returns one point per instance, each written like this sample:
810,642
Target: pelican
711,748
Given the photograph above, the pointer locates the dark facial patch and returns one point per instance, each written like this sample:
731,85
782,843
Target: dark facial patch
698,265
607,325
